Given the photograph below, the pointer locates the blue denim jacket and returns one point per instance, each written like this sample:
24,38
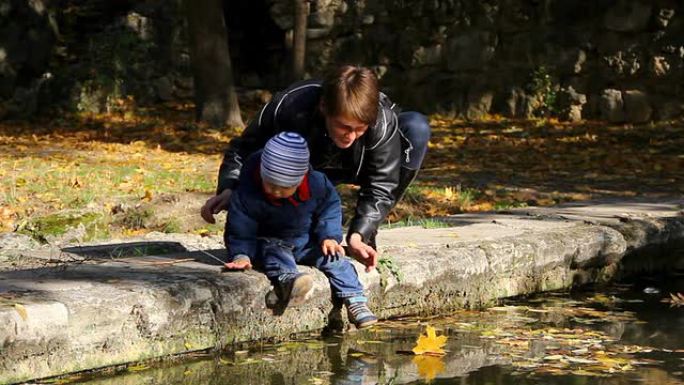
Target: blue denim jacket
312,215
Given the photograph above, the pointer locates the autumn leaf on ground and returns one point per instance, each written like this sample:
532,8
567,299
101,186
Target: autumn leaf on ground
428,366
147,196
429,343
21,310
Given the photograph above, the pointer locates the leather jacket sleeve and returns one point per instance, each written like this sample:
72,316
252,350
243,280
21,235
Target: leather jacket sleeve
253,138
379,175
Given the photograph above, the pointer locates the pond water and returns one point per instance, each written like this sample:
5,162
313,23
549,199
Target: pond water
622,334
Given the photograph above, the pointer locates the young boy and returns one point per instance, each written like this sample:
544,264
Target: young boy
283,213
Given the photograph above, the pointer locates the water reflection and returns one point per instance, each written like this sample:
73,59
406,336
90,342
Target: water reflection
621,336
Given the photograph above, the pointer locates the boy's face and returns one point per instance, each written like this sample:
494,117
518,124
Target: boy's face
278,191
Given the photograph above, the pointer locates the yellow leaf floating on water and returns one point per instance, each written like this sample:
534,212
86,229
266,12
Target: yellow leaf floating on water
428,366
430,343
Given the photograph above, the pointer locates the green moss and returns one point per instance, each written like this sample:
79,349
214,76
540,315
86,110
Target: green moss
386,267
55,225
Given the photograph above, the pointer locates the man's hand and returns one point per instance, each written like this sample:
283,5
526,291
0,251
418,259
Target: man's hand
332,249
215,205
240,264
362,252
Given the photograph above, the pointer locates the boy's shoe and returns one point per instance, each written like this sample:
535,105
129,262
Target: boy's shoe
294,288
358,312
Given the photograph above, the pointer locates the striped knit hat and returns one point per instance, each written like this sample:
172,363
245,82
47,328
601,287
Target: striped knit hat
285,159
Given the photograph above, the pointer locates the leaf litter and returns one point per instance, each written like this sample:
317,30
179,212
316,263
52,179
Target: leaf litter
96,162
551,336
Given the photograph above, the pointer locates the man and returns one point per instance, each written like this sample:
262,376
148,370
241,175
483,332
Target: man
354,135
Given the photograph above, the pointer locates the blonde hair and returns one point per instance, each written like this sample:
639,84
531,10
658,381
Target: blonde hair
351,91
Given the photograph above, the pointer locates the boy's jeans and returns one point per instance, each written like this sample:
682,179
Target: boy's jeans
276,258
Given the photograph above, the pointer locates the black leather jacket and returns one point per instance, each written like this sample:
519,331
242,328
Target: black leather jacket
372,161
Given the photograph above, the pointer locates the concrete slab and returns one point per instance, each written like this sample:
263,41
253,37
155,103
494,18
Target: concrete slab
89,312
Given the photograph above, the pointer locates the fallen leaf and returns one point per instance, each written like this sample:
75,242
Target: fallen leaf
430,343
137,368
21,310
202,232
582,361
147,196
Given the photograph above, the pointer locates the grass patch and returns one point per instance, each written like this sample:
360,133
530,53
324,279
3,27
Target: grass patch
506,205
170,226
426,223
44,228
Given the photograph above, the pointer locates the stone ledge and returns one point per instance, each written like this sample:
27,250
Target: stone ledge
92,315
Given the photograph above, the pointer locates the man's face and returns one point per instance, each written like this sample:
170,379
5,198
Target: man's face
278,191
343,130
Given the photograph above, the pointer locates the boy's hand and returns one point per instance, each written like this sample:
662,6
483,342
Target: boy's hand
240,264
332,249
362,252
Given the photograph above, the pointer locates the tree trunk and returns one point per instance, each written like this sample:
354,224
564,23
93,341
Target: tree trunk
215,98
301,12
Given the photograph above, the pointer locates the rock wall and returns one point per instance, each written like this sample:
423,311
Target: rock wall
90,55
617,60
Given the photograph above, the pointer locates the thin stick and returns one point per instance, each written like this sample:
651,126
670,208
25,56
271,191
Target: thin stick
166,262
210,255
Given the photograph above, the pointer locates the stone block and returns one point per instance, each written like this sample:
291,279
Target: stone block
664,17
317,33
670,109
139,24
659,66
322,15
628,16
16,241
637,106
471,50
163,88
612,106
479,103
570,103
623,63
519,104
431,55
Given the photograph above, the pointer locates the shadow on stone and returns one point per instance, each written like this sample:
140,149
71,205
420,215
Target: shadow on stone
160,250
